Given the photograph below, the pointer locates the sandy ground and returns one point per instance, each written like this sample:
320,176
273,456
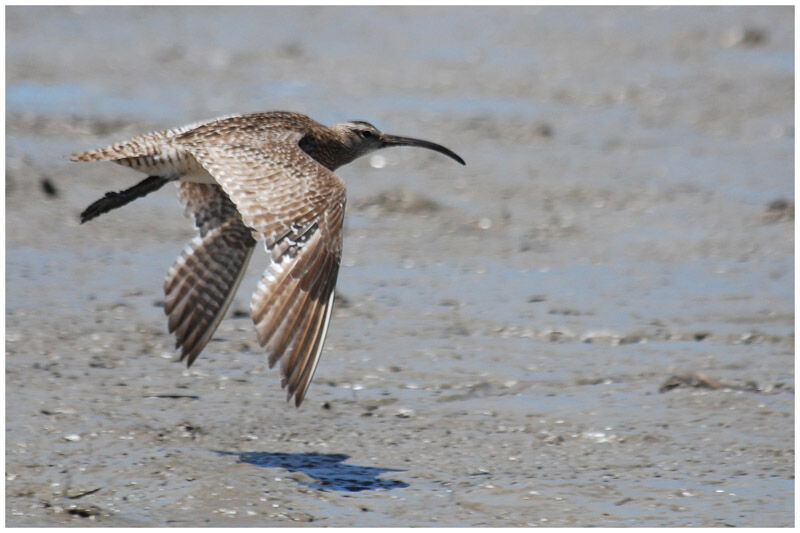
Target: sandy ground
592,323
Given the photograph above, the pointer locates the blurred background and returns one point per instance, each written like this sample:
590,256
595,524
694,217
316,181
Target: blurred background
592,323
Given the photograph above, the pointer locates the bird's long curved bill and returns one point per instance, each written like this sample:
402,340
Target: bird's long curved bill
394,140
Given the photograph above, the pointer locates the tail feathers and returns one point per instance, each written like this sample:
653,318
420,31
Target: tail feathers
149,144
100,154
112,200
131,155
146,145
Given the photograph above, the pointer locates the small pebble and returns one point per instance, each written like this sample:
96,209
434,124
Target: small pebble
48,188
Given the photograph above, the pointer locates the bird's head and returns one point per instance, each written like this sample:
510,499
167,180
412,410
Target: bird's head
362,138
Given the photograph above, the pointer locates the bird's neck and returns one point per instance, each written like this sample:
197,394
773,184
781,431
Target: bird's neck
329,150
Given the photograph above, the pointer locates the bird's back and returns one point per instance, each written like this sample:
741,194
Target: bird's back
168,152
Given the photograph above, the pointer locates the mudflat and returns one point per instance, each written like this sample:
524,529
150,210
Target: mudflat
591,324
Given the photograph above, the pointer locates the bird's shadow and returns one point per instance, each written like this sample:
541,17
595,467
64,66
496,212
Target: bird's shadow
327,470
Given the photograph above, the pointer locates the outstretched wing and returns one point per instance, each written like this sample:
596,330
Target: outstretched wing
297,205
201,284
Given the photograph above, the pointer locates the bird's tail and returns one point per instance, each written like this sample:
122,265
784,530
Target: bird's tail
138,147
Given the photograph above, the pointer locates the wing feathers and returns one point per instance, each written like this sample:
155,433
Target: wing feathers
291,308
308,372
201,285
265,186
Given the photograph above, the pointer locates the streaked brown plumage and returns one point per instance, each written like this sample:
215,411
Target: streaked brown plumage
244,178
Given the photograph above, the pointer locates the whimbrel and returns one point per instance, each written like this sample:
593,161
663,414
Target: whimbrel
244,178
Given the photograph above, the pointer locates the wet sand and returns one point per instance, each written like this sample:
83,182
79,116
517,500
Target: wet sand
591,324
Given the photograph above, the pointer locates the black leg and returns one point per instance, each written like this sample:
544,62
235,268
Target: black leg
112,200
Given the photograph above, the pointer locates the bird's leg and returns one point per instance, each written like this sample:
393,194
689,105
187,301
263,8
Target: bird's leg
112,200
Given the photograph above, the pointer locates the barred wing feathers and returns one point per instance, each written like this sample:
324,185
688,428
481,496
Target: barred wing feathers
297,205
201,284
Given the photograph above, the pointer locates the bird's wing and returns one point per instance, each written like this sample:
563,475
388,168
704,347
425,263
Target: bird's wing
201,284
297,205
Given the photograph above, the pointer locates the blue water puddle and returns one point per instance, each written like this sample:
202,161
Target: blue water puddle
694,163
70,98
114,276
428,104
769,60
618,297
30,96
578,298
329,470
163,104
49,152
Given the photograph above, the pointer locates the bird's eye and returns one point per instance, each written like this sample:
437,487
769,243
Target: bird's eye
366,134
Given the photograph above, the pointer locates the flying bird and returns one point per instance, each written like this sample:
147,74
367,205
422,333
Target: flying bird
244,178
